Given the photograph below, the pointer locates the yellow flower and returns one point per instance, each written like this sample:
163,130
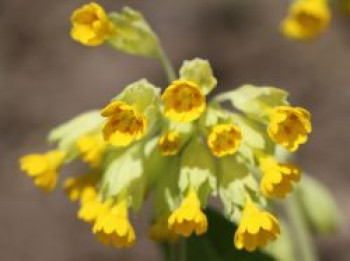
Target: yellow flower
91,206
224,139
91,148
188,218
277,177
161,232
307,19
43,168
113,227
169,143
289,126
256,228
183,101
78,187
124,124
91,25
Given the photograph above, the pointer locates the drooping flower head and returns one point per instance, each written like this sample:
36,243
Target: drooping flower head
224,139
124,124
256,228
289,126
91,148
183,101
278,178
307,19
188,218
91,25
113,227
169,143
81,187
43,168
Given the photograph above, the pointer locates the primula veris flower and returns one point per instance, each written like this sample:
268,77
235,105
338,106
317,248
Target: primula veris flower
278,178
91,148
169,143
307,19
256,228
188,218
113,226
124,124
91,25
80,187
289,126
161,232
43,168
183,101
224,139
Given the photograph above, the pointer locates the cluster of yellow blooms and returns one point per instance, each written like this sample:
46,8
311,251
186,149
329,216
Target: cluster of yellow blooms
178,147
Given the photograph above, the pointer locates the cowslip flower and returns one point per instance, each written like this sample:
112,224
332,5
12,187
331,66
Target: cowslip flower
80,187
183,101
91,25
188,218
113,226
161,232
91,148
169,143
256,228
289,126
43,168
124,124
307,19
278,178
224,139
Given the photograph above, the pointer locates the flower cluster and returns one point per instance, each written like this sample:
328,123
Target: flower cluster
179,147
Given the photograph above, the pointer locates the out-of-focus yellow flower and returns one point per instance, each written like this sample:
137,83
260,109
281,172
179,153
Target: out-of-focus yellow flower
43,168
80,187
169,143
289,126
113,227
256,228
91,25
161,232
224,139
307,19
183,101
277,177
91,148
124,124
188,218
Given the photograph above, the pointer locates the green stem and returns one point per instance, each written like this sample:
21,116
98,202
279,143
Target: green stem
302,237
167,66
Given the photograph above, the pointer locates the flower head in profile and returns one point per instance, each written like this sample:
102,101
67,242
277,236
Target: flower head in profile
81,187
113,227
224,139
91,25
278,178
124,124
307,19
161,232
188,218
169,143
183,101
91,148
256,228
289,126
43,168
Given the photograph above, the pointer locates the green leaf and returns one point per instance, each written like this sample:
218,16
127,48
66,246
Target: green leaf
197,169
318,206
133,34
66,135
200,72
255,101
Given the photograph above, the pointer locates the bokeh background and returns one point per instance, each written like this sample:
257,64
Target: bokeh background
46,78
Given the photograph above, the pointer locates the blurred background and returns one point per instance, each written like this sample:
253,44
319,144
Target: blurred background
46,78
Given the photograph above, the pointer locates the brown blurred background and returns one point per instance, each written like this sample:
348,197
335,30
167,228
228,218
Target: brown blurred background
46,78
